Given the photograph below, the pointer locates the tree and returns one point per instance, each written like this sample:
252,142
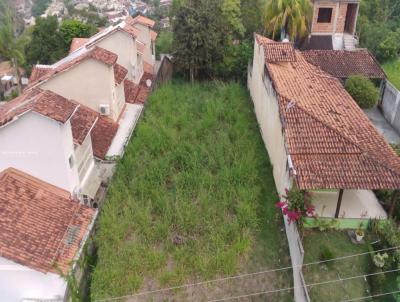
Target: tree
164,42
46,46
73,28
11,47
252,13
288,17
362,90
199,38
232,15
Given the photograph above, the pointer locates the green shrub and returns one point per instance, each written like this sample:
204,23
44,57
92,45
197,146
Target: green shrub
327,255
362,90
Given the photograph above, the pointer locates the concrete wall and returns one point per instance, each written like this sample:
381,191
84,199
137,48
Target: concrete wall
267,112
84,159
124,46
90,83
145,37
18,282
40,147
391,105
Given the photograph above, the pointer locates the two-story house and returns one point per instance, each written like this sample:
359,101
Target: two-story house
90,77
43,231
54,139
333,24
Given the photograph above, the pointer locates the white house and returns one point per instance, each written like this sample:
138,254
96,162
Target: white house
42,234
54,139
316,135
91,77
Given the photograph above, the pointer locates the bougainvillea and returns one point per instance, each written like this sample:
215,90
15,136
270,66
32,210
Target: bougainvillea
296,205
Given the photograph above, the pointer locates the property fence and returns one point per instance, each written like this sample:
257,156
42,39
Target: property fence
391,105
164,72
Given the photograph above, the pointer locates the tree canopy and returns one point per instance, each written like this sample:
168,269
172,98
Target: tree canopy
46,45
290,17
73,28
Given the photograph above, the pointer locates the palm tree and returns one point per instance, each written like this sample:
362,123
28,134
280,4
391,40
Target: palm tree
289,17
11,47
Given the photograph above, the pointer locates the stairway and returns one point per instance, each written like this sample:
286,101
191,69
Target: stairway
349,42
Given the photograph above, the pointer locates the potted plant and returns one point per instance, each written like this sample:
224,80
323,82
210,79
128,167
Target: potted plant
359,233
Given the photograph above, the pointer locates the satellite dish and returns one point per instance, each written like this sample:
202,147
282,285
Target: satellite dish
148,83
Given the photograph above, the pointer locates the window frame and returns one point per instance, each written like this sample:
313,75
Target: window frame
321,18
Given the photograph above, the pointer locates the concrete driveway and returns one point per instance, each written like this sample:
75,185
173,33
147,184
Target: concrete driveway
383,126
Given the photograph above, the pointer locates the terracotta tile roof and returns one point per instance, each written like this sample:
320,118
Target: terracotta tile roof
77,43
102,136
153,35
331,142
277,51
141,20
41,226
97,53
46,103
342,63
134,32
82,122
119,73
39,71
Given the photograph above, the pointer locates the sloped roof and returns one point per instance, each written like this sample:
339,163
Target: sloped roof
97,53
102,136
153,35
120,73
138,93
343,63
77,43
82,122
41,226
331,142
39,71
141,20
277,51
45,102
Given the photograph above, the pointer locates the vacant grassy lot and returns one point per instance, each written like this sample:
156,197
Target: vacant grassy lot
392,70
192,199
340,245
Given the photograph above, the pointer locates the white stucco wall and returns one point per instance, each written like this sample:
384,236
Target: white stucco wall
124,46
19,282
267,112
40,147
90,83
145,37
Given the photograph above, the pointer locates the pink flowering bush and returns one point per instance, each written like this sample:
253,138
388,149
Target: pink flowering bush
296,205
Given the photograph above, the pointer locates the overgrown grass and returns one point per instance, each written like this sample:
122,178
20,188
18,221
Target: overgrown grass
338,243
392,69
197,172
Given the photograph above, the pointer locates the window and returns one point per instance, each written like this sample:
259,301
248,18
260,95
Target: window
324,15
71,161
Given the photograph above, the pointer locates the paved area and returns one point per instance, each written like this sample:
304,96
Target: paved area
383,126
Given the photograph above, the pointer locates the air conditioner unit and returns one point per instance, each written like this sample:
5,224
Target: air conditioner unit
105,109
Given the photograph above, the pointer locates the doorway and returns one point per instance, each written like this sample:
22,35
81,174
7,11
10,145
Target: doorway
351,15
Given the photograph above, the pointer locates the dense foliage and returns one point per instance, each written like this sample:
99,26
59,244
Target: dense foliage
288,18
50,42
215,38
378,27
73,28
39,7
193,196
362,90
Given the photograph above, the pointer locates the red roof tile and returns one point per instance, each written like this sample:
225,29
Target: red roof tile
102,136
331,142
141,20
77,43
140,47
277,51
46,103
41,226
82,122
39,71
136,94
342,63
119,73
153,35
